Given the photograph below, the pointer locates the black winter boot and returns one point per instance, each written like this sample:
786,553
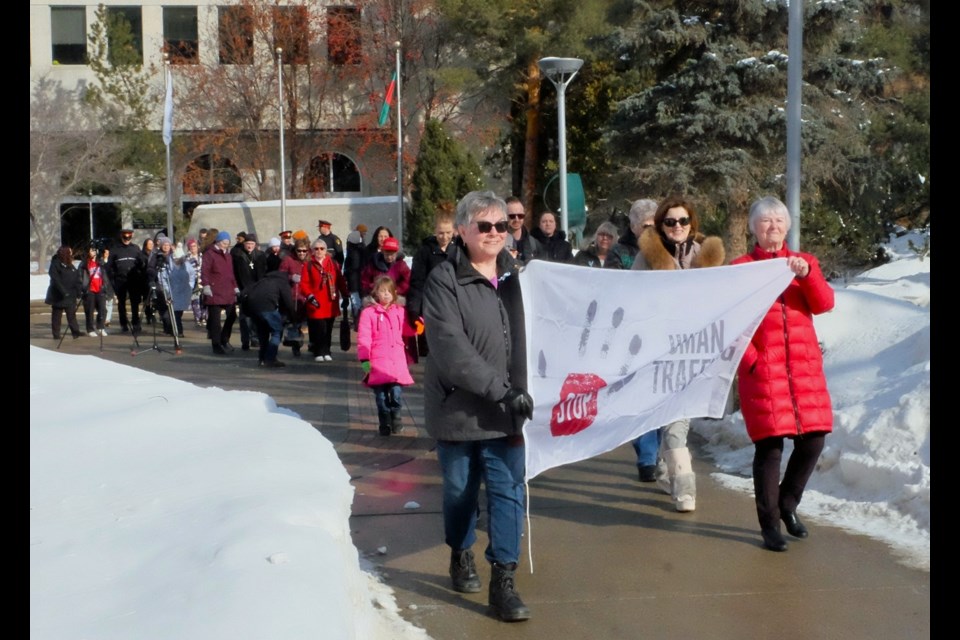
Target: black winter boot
505,602
384,417
463,571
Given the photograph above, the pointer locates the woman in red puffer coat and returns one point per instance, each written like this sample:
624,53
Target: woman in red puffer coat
783,392
324,289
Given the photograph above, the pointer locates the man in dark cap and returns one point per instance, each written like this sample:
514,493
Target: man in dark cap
249,266
127,270
334,246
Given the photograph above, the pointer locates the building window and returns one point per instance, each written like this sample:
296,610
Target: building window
236,34
68,26
180,34
125,35
343,35
331,172
210,175
290,32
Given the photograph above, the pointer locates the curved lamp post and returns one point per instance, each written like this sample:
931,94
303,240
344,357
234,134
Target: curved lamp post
560,72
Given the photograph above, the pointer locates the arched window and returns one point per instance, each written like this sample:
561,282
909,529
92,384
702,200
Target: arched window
331,172
211,174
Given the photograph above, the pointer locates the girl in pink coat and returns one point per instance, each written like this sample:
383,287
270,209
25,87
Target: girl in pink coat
382,327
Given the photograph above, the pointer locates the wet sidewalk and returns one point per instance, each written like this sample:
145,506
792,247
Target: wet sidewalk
611,557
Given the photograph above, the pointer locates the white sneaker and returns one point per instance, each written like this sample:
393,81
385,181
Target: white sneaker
328,358
319,359
686,503
93,334
103,332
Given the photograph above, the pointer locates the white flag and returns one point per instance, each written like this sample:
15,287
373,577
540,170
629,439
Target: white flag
168,110
613,354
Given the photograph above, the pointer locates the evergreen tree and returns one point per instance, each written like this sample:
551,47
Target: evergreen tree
445,173
713,125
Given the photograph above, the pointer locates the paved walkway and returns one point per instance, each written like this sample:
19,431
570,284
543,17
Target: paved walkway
611,558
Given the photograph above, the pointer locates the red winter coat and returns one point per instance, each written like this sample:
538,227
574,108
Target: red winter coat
783,391
312,282
380,334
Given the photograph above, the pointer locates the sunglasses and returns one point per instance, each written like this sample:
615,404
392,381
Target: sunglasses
319,248
672,222
303,251
516,216
484,226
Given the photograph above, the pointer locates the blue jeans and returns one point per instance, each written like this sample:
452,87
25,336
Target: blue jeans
500,464
647,447
269,332
388,398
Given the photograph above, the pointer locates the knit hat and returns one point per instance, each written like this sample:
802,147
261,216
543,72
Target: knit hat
162,240
251,237
274,242
300,233
362,228
391,244
223,235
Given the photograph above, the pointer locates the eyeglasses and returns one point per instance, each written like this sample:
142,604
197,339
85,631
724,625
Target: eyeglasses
605,235
484,226
302,251
516,216
672,222
319,248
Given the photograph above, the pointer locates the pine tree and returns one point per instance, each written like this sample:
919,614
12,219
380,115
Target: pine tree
445,173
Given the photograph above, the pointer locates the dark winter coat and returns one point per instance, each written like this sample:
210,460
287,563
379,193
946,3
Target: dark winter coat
270,293
554,248
626,248
528,247
398,270
783,391
428,256
248,267
588,258
353,261
478,348
127,267
66,284
217,273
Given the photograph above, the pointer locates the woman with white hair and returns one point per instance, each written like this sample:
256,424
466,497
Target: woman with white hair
599,254
783,391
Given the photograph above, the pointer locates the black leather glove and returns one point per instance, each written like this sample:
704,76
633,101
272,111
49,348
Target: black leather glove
311,300
519,403
345,304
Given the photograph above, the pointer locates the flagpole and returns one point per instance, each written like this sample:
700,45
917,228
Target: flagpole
283,169
399,148
167,139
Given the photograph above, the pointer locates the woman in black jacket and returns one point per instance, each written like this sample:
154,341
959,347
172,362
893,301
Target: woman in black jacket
64,292
475,397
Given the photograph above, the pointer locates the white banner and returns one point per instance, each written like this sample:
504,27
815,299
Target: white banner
613,354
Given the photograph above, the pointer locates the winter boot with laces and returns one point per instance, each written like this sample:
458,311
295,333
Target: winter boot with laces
505,602
463,571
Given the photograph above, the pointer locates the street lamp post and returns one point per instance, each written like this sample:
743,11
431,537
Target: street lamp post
560,71
283,167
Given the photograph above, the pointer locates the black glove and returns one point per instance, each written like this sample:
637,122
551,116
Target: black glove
311,300
345,304
519,403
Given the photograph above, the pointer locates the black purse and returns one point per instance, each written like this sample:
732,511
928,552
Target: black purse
345,331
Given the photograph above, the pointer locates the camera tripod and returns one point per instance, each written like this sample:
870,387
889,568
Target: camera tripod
164,281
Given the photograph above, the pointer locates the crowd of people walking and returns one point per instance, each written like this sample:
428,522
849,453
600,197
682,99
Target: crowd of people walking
459,299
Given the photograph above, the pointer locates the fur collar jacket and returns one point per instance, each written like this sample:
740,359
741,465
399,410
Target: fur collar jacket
657,254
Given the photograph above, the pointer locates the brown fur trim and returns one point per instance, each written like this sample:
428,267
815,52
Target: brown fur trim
654,253
712,253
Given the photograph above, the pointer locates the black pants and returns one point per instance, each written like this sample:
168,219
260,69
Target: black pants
136,297
95,303
772,494
56,321
220,334
321,335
